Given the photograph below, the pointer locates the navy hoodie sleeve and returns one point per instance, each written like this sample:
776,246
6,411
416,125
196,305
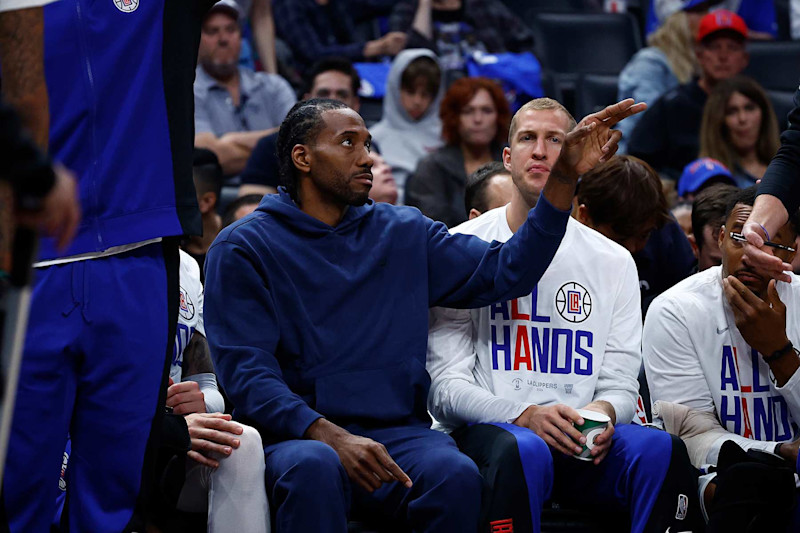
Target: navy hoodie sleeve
243,333
782,178
463,272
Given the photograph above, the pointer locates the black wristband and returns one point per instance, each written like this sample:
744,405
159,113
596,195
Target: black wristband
777,354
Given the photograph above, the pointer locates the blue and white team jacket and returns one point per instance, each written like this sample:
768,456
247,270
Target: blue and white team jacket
119,78
695,356
574,340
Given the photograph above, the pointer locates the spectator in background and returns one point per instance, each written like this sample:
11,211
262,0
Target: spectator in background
315,29
234,106
667,62
668,135
455,28
488,187
258,14
240,208
759,15
700,174
475,118
740,129
410,128
384,187
708,216
682,213
333,77
207,176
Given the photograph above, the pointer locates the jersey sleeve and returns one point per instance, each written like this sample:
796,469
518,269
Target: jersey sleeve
466,272
671,361
618,382
454,397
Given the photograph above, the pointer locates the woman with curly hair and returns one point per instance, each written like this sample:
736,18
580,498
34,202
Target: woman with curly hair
739,129
475,117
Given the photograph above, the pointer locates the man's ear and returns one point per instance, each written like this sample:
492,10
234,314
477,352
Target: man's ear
722,232
582,214
507,158
301,158
357,104
207,202
474,213
693,244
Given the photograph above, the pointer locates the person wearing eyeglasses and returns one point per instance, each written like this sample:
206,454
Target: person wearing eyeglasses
723,342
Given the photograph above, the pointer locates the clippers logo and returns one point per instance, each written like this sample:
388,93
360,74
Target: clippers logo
573,302
127,6
62,481
186,308
517,383
502,526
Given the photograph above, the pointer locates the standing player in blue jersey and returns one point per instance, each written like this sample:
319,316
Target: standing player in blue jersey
317,313
104,309
506,379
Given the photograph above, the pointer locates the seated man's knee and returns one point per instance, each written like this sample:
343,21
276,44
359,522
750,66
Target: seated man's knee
451,470
250,444
309,461
511,448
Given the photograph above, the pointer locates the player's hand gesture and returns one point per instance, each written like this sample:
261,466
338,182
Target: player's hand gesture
762,323
367,463
554,424
593,141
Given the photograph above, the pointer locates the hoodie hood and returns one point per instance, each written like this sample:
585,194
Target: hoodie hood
402,140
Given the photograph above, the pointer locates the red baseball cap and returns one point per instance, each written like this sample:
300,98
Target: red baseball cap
721,20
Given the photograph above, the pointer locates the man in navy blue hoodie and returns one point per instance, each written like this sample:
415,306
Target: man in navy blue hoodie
317,315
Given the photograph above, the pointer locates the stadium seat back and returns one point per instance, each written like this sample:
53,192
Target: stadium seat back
775,65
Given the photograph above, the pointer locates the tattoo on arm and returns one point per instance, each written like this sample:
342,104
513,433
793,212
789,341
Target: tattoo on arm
196,356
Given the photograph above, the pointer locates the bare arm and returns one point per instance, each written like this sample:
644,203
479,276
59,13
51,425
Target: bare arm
264,32
232,149
22,64
196,356
423,21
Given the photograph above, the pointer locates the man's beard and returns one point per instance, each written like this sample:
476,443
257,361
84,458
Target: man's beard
221,71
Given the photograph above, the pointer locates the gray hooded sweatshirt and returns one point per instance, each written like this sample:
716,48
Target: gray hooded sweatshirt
402,140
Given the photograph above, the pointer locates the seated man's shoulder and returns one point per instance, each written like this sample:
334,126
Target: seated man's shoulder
699,292
588,242
266,79
484,226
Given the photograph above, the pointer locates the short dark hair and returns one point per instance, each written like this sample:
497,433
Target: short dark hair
475,192
301,126
708,209
424,68
338,64
748,197
624,192
229,217
207,172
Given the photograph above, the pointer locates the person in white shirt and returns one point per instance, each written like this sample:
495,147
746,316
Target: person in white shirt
719,344
507,379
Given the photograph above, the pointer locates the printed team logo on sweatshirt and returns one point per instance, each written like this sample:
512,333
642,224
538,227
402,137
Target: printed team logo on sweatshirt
573,302
127,6
186,308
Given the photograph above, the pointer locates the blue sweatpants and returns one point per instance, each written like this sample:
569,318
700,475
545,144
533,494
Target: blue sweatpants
95,366
310,491
522,473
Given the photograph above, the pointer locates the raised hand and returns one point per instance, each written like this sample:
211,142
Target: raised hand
593,141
